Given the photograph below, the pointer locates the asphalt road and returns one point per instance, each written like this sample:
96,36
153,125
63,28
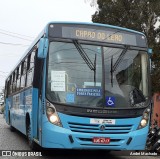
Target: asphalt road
17,141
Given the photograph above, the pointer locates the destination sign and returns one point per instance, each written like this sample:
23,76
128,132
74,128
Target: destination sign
96,33
99,35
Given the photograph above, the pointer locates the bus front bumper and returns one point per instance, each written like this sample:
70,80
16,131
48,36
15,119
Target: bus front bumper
59,137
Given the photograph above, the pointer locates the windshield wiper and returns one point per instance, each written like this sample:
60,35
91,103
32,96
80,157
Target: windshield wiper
85,57
119,60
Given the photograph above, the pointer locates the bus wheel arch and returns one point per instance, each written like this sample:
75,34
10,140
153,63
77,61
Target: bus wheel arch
28,133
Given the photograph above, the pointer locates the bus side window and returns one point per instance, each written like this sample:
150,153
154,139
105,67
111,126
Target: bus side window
13,75
28,83
18,78
32,59
23,74
14,81
30,69
7,87
10,85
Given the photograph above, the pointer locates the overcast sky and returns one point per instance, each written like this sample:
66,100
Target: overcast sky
22,20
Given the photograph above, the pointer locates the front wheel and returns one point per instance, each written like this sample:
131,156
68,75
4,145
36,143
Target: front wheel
31,143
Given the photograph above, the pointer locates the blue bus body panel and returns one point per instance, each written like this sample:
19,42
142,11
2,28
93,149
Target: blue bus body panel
6,110
82,132
20,104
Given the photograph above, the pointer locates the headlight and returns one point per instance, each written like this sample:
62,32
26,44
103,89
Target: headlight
143,122
145,119
52,114
159,133
53,118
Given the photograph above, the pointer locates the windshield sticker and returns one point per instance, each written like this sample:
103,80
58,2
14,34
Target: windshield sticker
94,92
70,97
58,81
110,101
86,84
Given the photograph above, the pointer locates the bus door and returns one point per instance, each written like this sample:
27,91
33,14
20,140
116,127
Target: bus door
41,105
37,102
39,84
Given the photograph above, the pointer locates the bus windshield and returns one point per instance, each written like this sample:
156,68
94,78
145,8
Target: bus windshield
97,76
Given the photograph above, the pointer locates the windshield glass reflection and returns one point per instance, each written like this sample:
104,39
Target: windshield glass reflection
77,76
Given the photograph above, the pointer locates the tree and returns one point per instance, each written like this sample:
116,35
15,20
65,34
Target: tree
140,15
155,73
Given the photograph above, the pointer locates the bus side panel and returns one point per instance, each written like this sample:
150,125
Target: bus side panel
17,111
7,109
11,112
22,104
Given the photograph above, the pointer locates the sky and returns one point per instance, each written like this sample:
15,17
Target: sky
22,20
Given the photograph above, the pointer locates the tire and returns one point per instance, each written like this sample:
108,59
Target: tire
31,143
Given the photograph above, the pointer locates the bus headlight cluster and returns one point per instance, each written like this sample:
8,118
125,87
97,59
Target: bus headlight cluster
52,114
145,119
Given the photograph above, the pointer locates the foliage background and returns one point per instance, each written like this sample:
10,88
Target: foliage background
140,15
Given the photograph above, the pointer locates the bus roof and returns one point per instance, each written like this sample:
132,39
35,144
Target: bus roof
97,24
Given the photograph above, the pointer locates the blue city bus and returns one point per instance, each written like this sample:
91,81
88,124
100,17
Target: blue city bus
82,86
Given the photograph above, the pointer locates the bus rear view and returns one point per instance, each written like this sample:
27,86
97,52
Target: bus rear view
93,88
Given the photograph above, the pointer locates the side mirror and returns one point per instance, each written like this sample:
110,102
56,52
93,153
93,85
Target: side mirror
42,48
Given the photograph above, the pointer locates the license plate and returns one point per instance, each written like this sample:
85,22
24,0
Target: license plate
103,121
101,140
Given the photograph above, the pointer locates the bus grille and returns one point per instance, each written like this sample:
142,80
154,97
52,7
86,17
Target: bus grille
95,128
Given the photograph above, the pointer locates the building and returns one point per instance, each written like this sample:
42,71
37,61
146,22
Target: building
156,108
